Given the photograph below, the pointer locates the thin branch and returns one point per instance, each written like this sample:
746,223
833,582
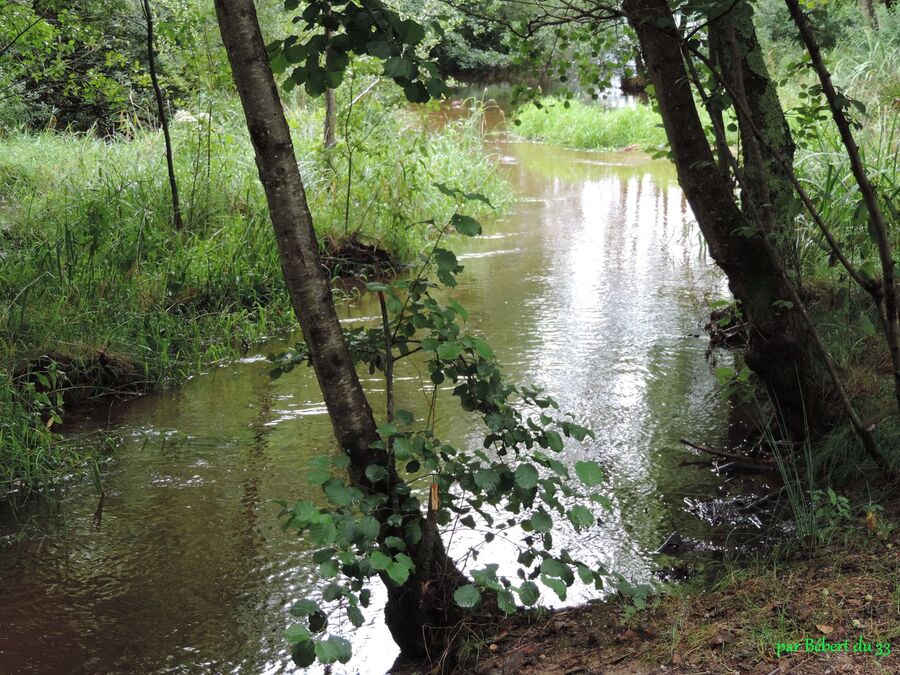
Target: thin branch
163,119
889,291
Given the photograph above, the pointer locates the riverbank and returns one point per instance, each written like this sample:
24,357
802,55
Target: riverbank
834,609
100,295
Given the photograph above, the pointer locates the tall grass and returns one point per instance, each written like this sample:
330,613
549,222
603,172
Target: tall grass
590,127
94,278
866,63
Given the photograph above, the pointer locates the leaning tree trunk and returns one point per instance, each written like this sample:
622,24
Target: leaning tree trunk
779,350
421,603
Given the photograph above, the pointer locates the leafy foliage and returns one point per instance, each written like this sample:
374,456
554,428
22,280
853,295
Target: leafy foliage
333,32
514,485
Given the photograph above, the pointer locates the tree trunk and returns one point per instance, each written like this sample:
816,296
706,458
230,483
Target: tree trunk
330,118
779,350
868,11
330,109
735,47
421,603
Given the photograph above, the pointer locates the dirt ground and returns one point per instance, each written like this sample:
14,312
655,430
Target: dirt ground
846,594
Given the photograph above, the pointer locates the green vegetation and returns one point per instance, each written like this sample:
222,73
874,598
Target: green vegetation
848,590
102,291
590,127
96,283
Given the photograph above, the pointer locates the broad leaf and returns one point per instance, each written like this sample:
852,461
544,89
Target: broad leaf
467,596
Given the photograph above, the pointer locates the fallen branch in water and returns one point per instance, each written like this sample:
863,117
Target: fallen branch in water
727,455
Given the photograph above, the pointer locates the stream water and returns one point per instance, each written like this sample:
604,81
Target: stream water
595,287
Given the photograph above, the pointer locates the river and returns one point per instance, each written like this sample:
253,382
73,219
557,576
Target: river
595,286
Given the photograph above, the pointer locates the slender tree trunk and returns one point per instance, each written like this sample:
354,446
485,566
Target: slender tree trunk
330,109
418,611
163,118
868,11
779,350
876,215
330,118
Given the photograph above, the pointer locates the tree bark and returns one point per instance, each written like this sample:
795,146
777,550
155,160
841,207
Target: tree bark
868,11
417,611
779,350
736,49
330,118
330,110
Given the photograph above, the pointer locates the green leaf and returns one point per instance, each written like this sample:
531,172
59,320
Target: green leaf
529,593
376,473
387,429
397,66
404,417
448,351
483,349
398,572
486,478
541,522
295,53
506,602
526,476
368,527
581,517
585,574
303,608
403,448
458,308
589,473
297,632
322,555
333,78
868,328
555,585
340,494
395,543
304,654
446,260
552,567
411,32
465,225
336,60
379,49
355,616
328,569
315,82
379,561
333,649
467,596
416,92
555,441
318,472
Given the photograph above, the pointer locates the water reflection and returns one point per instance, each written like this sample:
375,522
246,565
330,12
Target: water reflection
593,288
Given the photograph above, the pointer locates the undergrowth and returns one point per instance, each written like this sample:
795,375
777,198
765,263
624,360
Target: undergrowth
95,282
